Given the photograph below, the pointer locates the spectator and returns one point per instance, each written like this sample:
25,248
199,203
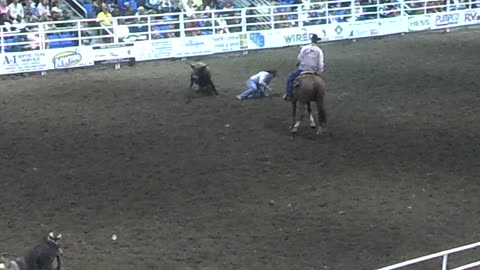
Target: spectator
97,6
29,7
210,3
43,8
16,11
222,24
153,4
141,20
58,16
123,32
115,11
4,8
124,6
44,17
29,18
127,10
188,8
165,6
5,22
104,19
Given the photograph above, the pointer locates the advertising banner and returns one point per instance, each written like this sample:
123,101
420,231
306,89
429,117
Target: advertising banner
192,46
264,40
448,19
364,29
113,53
288,37
156,49
21,62
69,57
396,25
472,16
419,23
340,31
230,42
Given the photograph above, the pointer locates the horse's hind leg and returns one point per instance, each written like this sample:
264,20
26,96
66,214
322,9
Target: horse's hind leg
322,115
312,120
298,122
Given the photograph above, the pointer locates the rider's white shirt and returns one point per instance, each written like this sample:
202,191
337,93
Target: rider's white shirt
311,58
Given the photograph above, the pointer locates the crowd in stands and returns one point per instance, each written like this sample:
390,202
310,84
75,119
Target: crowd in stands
16,12
21,18
200,17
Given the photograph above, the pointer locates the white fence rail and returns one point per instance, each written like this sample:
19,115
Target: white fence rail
444,255
69,44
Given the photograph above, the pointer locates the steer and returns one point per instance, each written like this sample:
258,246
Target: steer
47,255
202,76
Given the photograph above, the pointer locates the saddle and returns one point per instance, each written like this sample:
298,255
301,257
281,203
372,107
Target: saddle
307,72
296,82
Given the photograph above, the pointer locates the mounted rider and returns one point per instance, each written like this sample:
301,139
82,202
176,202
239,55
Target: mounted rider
310,58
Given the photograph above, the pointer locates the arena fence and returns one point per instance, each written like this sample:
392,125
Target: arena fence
444,255
71,44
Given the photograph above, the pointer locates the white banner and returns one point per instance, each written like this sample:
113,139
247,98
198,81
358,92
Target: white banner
230,42
394,25
294,36
448,19
113,52
472,16
70,57
192,46
265,39
157,49
419,23
20,62
364,28
340,31
288,36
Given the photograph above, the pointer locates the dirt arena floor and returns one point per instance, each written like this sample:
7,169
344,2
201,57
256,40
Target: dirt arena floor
212,183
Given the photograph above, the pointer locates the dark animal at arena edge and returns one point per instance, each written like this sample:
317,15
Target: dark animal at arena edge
202,76
308,87
47,255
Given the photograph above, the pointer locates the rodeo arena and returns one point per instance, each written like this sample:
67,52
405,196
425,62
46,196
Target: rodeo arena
156,134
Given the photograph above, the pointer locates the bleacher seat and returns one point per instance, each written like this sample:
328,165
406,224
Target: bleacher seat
8,48
54,44
90,10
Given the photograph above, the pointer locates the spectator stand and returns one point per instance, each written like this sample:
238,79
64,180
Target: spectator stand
175,23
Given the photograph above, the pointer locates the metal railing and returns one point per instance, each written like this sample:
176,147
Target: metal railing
443,254
212,22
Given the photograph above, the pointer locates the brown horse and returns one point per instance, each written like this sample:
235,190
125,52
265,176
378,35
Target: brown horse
308,87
